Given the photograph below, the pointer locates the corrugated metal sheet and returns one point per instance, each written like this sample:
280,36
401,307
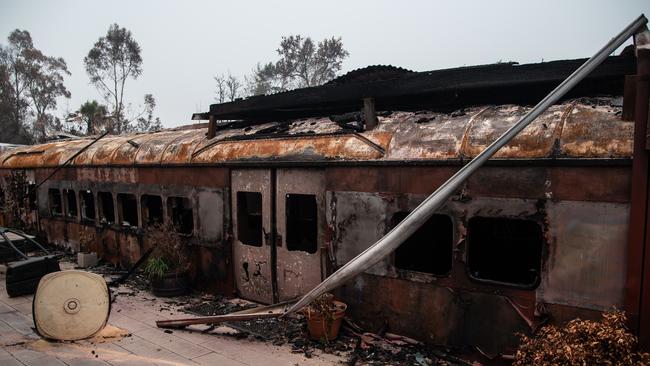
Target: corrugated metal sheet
585,128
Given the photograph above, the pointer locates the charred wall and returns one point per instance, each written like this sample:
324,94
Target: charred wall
127,202
581,214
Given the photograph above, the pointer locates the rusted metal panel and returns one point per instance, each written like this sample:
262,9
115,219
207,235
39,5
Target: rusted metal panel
535,141
426,135
387,179
58,152
198,176
437,315
583,128
597,184
509,182
103,174
638,284
179,151
126,151
299,147
596,130
357,220
151,151
253,265
587,256
594,183
298,271
101,147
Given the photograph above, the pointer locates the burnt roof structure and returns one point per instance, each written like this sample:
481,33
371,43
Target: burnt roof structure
440,90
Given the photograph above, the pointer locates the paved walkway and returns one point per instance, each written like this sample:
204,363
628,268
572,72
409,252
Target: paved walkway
147,345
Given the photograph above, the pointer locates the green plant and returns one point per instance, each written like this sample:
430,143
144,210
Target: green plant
156,268
169,254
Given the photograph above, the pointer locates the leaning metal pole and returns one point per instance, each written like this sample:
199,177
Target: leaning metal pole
423,212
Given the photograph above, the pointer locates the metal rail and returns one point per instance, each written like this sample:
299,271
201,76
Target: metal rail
423,212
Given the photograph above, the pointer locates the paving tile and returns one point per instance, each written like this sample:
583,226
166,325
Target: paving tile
9,360
31,357
214,358
173,343
24,308
14,300
4,308
150,351
19,322
127,323
86,362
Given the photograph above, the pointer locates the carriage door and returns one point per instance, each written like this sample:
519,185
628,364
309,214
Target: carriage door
300,222
278,223
252,251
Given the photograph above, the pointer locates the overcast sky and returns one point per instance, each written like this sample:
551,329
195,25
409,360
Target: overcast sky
185,43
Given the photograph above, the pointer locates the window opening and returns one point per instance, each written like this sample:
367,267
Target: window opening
56,204
429,249
31,196
152,210
249,218
302,222
106,209
127,209
505,250
70,203
87,203
180,212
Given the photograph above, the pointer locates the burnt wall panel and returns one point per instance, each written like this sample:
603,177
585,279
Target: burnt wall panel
211,216
437,315
588,255
579,183
519,182
194,176
599,184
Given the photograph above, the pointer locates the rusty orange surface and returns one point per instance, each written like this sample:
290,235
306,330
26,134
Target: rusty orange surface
584,128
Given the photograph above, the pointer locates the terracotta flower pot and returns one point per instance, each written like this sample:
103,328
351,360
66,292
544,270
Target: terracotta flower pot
325,327
171,284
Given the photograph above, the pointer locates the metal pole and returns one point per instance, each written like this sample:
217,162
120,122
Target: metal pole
423,212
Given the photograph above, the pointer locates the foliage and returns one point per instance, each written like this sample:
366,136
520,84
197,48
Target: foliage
156,268
169,254
92,115
302,63
16,203
582,342
113,60
31,83
149,123
229,88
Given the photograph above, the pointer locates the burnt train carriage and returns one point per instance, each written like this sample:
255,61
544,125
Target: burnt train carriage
271,208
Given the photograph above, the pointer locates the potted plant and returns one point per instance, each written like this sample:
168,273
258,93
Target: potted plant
324,316
167,267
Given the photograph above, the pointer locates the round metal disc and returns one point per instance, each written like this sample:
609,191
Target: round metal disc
71,305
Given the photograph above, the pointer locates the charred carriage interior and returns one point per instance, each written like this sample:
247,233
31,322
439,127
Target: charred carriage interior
281,190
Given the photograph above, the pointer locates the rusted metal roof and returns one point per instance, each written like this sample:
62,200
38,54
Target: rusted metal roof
585,128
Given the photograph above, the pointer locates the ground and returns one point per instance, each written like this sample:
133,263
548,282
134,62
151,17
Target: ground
132,338
135,311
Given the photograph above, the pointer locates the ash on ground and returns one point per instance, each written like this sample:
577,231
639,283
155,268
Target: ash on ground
359,347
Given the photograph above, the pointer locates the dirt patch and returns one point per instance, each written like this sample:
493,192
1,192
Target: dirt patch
109,334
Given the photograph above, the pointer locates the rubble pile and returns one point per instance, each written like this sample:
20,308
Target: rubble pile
583,342
361,348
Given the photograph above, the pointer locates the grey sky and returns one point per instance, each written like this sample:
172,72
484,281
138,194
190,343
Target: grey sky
185,43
